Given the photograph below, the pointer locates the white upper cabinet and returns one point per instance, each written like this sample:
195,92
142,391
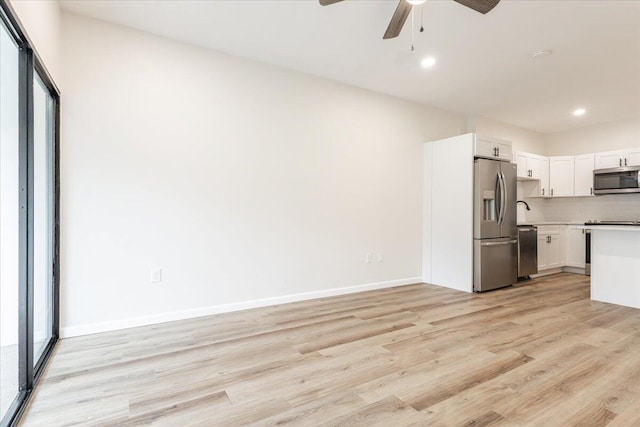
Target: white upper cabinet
505,151
529,166
561,176
544,177
584,165
609,159
615,159
632,157
535,166
521,162
493,149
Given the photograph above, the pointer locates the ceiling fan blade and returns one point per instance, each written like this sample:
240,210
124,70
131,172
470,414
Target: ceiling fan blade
482,6
328,2
399,18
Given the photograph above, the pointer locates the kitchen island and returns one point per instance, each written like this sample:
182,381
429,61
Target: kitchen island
615,264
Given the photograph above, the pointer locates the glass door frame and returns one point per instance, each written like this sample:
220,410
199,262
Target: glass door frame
29,371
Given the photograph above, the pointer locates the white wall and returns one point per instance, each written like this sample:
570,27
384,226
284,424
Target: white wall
240,180
41,19
610,136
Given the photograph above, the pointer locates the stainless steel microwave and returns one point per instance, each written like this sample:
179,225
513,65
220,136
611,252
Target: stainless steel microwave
617,180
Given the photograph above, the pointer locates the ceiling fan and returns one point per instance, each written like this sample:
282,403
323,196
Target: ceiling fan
405,6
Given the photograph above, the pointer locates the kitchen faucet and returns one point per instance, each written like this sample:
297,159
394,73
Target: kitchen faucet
525,204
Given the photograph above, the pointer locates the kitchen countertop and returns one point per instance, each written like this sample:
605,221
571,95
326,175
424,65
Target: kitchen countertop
541,223
610,227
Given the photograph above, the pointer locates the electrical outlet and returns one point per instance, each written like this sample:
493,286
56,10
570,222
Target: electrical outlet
368,258
156,276
380,257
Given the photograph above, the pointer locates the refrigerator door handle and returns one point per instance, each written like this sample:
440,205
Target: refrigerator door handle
501,198
505,197
498,206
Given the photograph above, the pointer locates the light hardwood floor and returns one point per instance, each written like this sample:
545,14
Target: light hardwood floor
536,354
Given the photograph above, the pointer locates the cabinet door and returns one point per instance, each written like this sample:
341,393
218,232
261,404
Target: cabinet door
554,252
561,176
504,150
484,148
542,252
609,159
534,163
575,248
584,175
544,177
521,161
632,157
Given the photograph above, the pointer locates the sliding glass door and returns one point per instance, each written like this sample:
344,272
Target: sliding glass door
43,217
9,221
29,107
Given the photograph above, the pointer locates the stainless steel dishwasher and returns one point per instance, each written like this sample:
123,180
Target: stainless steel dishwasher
527,251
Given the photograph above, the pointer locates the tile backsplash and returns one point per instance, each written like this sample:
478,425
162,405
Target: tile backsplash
606,207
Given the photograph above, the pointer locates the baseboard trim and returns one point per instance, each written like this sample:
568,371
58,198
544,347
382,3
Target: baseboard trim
548,272
563,269
574,270
94,328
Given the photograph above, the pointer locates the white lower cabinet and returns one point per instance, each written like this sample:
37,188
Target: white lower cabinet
575,247
560,246
550,247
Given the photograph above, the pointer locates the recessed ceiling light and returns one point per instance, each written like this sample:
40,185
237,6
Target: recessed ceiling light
416,2
542,52
428,62
579,112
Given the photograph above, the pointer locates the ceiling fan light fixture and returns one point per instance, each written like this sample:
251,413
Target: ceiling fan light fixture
428,62
416,2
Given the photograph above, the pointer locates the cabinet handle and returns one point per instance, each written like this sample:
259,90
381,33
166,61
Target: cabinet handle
625,161
498,151
591,193
620,162
552,191
543,191
548,239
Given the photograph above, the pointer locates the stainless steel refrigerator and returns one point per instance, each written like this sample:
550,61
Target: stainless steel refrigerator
495,228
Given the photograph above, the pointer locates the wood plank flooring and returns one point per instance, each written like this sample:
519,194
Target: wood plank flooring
541,353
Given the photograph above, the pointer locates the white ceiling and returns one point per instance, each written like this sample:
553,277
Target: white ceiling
485,65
